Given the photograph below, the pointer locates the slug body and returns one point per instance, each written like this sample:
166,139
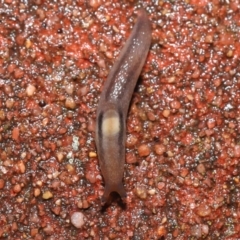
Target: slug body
114,103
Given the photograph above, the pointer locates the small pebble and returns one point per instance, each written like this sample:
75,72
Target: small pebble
166,113
18,73
17,188
91,176
159,149
56,210
69,88
95,3
205,229
201,168
237,151
141,192
15,134
28,43
161,231
203,210
47,195
30,90
131,158
175,104
21,167
92,154
60,156
196,231
2,115
2,183
9,103
170,153
171,79
83,204
36,192
144,150
70,103
211,123
152,191
77,219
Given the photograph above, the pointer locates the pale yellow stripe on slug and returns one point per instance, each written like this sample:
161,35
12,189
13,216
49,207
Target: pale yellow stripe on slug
111,123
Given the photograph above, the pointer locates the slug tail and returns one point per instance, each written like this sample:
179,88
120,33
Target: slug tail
121,191
119,188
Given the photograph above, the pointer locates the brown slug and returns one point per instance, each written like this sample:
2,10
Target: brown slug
114,104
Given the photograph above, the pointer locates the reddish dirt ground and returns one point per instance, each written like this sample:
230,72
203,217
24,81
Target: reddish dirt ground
182,172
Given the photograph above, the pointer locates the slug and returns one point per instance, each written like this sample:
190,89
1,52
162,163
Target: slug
114,104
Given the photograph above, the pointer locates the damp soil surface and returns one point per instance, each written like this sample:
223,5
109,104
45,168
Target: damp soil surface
182,171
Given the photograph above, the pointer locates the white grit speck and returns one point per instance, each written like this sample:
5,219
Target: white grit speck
75,143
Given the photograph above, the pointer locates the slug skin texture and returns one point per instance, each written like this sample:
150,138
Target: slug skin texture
114,104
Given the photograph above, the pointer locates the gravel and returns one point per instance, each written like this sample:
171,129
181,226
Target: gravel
182,148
